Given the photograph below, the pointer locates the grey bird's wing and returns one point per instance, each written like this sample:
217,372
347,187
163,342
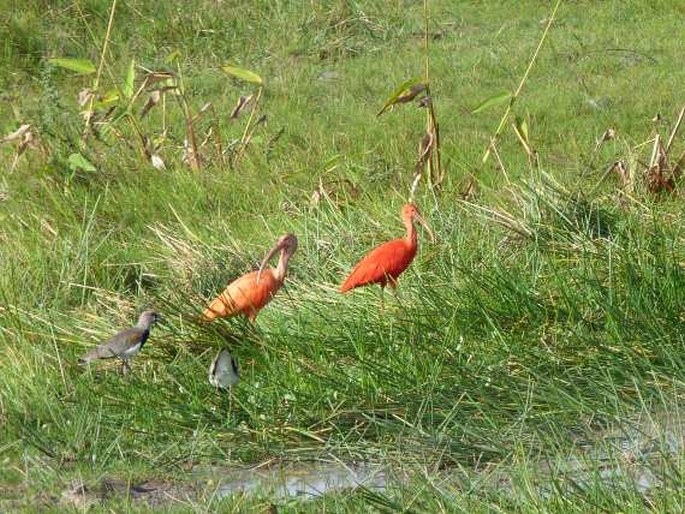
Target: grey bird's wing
116,345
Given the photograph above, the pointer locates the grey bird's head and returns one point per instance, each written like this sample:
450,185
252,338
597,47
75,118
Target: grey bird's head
147,319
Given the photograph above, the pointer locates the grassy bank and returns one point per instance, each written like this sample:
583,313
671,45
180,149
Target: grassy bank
547,314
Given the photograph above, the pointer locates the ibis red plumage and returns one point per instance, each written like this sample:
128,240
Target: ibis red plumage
385,263
248,294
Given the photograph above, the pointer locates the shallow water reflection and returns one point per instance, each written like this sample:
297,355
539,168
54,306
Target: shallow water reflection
301,480
640,455
632,455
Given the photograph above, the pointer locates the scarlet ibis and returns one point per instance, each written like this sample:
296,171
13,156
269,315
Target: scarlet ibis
248,294
125,344
385,263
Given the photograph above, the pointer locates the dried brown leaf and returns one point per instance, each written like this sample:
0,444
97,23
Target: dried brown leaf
26,141
608,135
623,174
425,147
158,76
84,96
242,105
403,95
658,182
471,188
410,94
190,155
659,177
17,134
153,99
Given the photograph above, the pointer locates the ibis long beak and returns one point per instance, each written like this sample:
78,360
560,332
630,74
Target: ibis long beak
268,257
420,219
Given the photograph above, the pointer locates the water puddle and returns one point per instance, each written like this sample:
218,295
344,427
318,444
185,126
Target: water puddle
278,482
296,480
633,456
636,455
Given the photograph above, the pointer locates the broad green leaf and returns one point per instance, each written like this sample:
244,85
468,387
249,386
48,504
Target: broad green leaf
127,89
82,66
493,101
243,74
409,87
77,161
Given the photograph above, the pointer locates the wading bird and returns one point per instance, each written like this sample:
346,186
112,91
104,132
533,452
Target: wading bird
385,263
125,344
248,294
223,371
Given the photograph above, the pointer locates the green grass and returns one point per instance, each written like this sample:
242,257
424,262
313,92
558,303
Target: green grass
502,352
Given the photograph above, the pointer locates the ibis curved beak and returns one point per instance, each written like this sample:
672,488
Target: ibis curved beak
287,244
278,246
421,220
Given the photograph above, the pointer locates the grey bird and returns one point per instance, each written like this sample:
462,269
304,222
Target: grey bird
223,371
125,344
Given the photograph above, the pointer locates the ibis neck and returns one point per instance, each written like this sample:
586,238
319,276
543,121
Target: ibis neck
410,237
282,267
